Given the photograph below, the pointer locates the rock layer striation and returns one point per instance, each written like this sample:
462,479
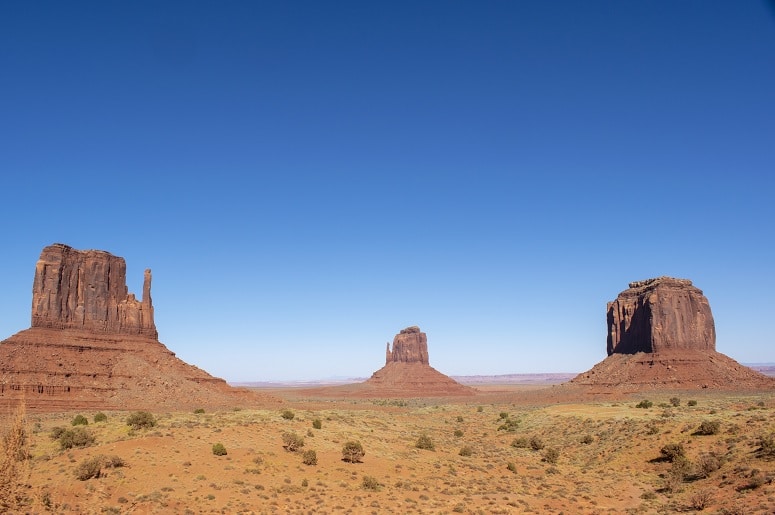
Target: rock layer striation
658,315
93,345
661,335
409,346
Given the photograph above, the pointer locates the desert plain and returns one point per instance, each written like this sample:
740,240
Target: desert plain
507,449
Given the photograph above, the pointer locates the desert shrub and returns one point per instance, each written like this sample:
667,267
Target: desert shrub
317,424
520,443
672,452
309,457
675,401
92,467
466,451
691,402
79,420
458,433
652,429
460,418
510,425
479,409
587,439
100,417
292,442
76,437
56,432
551,455
677,474
766,446
708,427
89,468
511,467
503,415
370,483
425,442
536,443
707,463
140,420
352,452
645,403
199,411
219,449
701,500
287,414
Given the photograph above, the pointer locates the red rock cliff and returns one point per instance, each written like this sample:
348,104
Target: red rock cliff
658,315
87,290
409,346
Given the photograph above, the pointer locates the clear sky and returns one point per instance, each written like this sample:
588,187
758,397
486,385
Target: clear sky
305,179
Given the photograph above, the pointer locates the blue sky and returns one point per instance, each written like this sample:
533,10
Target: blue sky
305,179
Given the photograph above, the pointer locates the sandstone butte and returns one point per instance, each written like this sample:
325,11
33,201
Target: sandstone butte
92,344
407,371
661,335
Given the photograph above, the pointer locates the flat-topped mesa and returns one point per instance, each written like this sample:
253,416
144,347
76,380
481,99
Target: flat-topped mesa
86,289
409,346
659,315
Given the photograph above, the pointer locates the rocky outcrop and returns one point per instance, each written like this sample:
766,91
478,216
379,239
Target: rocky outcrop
92,345
87,290
661,336
409,346
659,315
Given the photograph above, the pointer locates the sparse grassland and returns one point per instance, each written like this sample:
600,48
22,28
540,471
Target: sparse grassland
569,458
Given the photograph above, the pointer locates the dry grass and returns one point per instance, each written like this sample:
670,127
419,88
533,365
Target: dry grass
617,470
14,459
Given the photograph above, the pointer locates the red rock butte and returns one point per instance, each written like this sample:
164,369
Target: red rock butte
407,372
92,344
661,335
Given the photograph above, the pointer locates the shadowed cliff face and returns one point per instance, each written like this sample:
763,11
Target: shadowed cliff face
87,290
409,346
658,315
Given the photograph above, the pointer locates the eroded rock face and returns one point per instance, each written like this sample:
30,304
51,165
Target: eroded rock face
659,315
409,346
75,289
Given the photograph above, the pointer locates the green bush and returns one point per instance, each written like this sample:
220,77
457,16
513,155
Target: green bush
80,420
672,451
352,452
199,411
536,443
292,442
691,403
219,449
645,403
309,457
287,414
76,437
140,420
370,483
56,432
317,424
466,451
100,417
425,442
708,427
675,401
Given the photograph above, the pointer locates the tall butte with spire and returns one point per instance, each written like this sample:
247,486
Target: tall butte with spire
407,371
93,344
661,335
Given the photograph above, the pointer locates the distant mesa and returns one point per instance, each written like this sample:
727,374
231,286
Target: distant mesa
661,335
407,372
93,344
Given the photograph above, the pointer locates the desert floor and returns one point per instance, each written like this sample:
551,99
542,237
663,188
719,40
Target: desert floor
492,454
